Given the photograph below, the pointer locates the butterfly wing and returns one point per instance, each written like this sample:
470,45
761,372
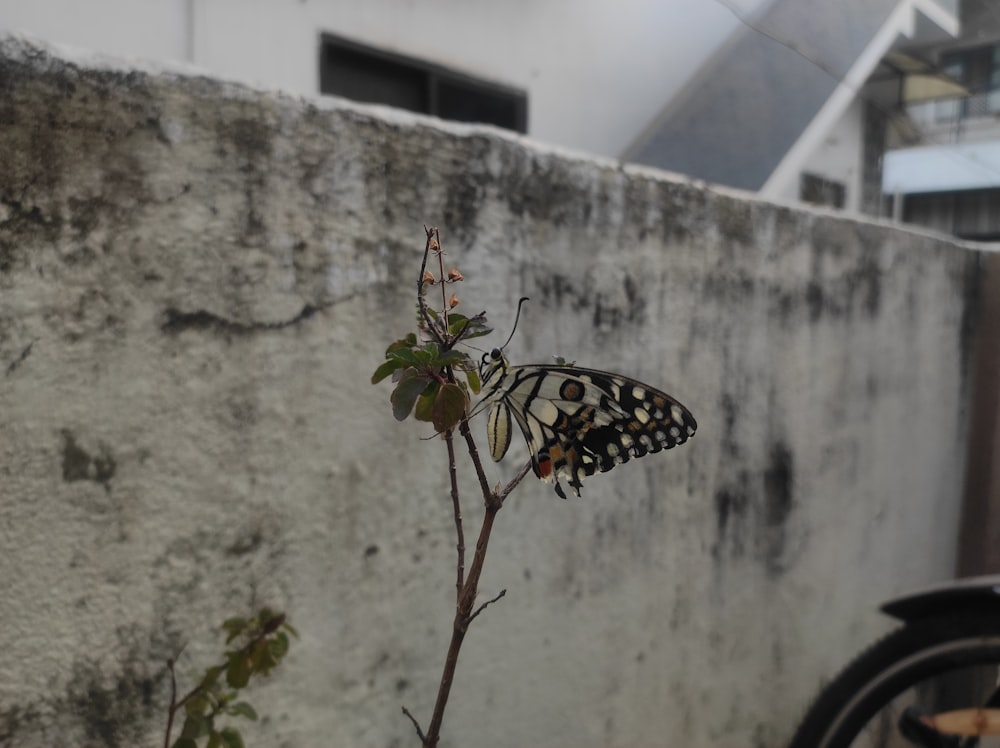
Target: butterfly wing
578,422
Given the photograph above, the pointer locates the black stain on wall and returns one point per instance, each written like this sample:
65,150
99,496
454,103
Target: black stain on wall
78,464
114,712
110,703
730,509
176,321
975,274
778,485
779,501
753,507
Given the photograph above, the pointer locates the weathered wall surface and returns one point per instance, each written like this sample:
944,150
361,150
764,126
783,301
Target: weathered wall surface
196,282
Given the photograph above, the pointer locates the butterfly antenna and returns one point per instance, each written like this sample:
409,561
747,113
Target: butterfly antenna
520,303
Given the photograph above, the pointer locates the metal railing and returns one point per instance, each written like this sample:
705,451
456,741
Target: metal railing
956,119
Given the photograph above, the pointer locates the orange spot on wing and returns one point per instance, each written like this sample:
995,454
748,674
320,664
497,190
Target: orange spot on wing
544,468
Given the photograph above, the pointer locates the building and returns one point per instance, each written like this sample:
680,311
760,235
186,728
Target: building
583,74
943,166
797,103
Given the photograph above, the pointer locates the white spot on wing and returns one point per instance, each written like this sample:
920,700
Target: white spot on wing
545,411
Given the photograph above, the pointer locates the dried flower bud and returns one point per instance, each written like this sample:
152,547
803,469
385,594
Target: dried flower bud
453,302
433,245
454,275
428,277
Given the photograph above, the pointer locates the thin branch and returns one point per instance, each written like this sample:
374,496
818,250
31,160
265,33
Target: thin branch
431,232
444,295
483,607
453,475
467,589
460,625
173,703
416,725
466,432
505,492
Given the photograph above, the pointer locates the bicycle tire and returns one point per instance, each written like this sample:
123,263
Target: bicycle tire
915,653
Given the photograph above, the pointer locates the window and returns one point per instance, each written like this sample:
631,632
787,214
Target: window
364,73
822,191
979,70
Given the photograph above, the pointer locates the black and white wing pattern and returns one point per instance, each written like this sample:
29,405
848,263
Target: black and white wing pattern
576,421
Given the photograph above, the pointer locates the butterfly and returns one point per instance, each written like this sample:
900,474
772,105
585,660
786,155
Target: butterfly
576,421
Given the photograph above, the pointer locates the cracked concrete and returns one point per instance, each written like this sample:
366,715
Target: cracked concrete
197,280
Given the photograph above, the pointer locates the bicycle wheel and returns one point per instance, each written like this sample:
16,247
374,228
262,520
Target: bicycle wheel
935,664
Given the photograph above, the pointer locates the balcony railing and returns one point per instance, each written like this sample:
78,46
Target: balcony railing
957,120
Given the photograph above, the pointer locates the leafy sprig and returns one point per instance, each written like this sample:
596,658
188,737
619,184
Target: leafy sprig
263,641
433,379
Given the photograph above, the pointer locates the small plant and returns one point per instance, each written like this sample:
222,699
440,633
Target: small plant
576,422
261,643
433,380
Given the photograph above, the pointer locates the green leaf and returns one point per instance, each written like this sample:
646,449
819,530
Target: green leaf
385,369
184,743
476,328
242,709
214,739
290,629
452,358
425,403
429,352
231,738
234,627
195,726
405,356
211,676
238,670
408,342
279,645
449,407
406,393
267,620
262,657
196,706
474,384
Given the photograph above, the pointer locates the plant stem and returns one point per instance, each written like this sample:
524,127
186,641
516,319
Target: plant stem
173,703
452,472
467,594
431,237
463,613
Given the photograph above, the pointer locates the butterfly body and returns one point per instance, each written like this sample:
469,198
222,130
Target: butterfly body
578,421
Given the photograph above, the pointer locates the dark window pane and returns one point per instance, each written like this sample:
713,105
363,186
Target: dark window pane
362,73
470,103
820,191
355,75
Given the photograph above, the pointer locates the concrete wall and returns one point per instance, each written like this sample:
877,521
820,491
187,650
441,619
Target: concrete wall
196,282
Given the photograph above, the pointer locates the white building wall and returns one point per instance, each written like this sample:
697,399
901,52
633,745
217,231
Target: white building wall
595,72
837,158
